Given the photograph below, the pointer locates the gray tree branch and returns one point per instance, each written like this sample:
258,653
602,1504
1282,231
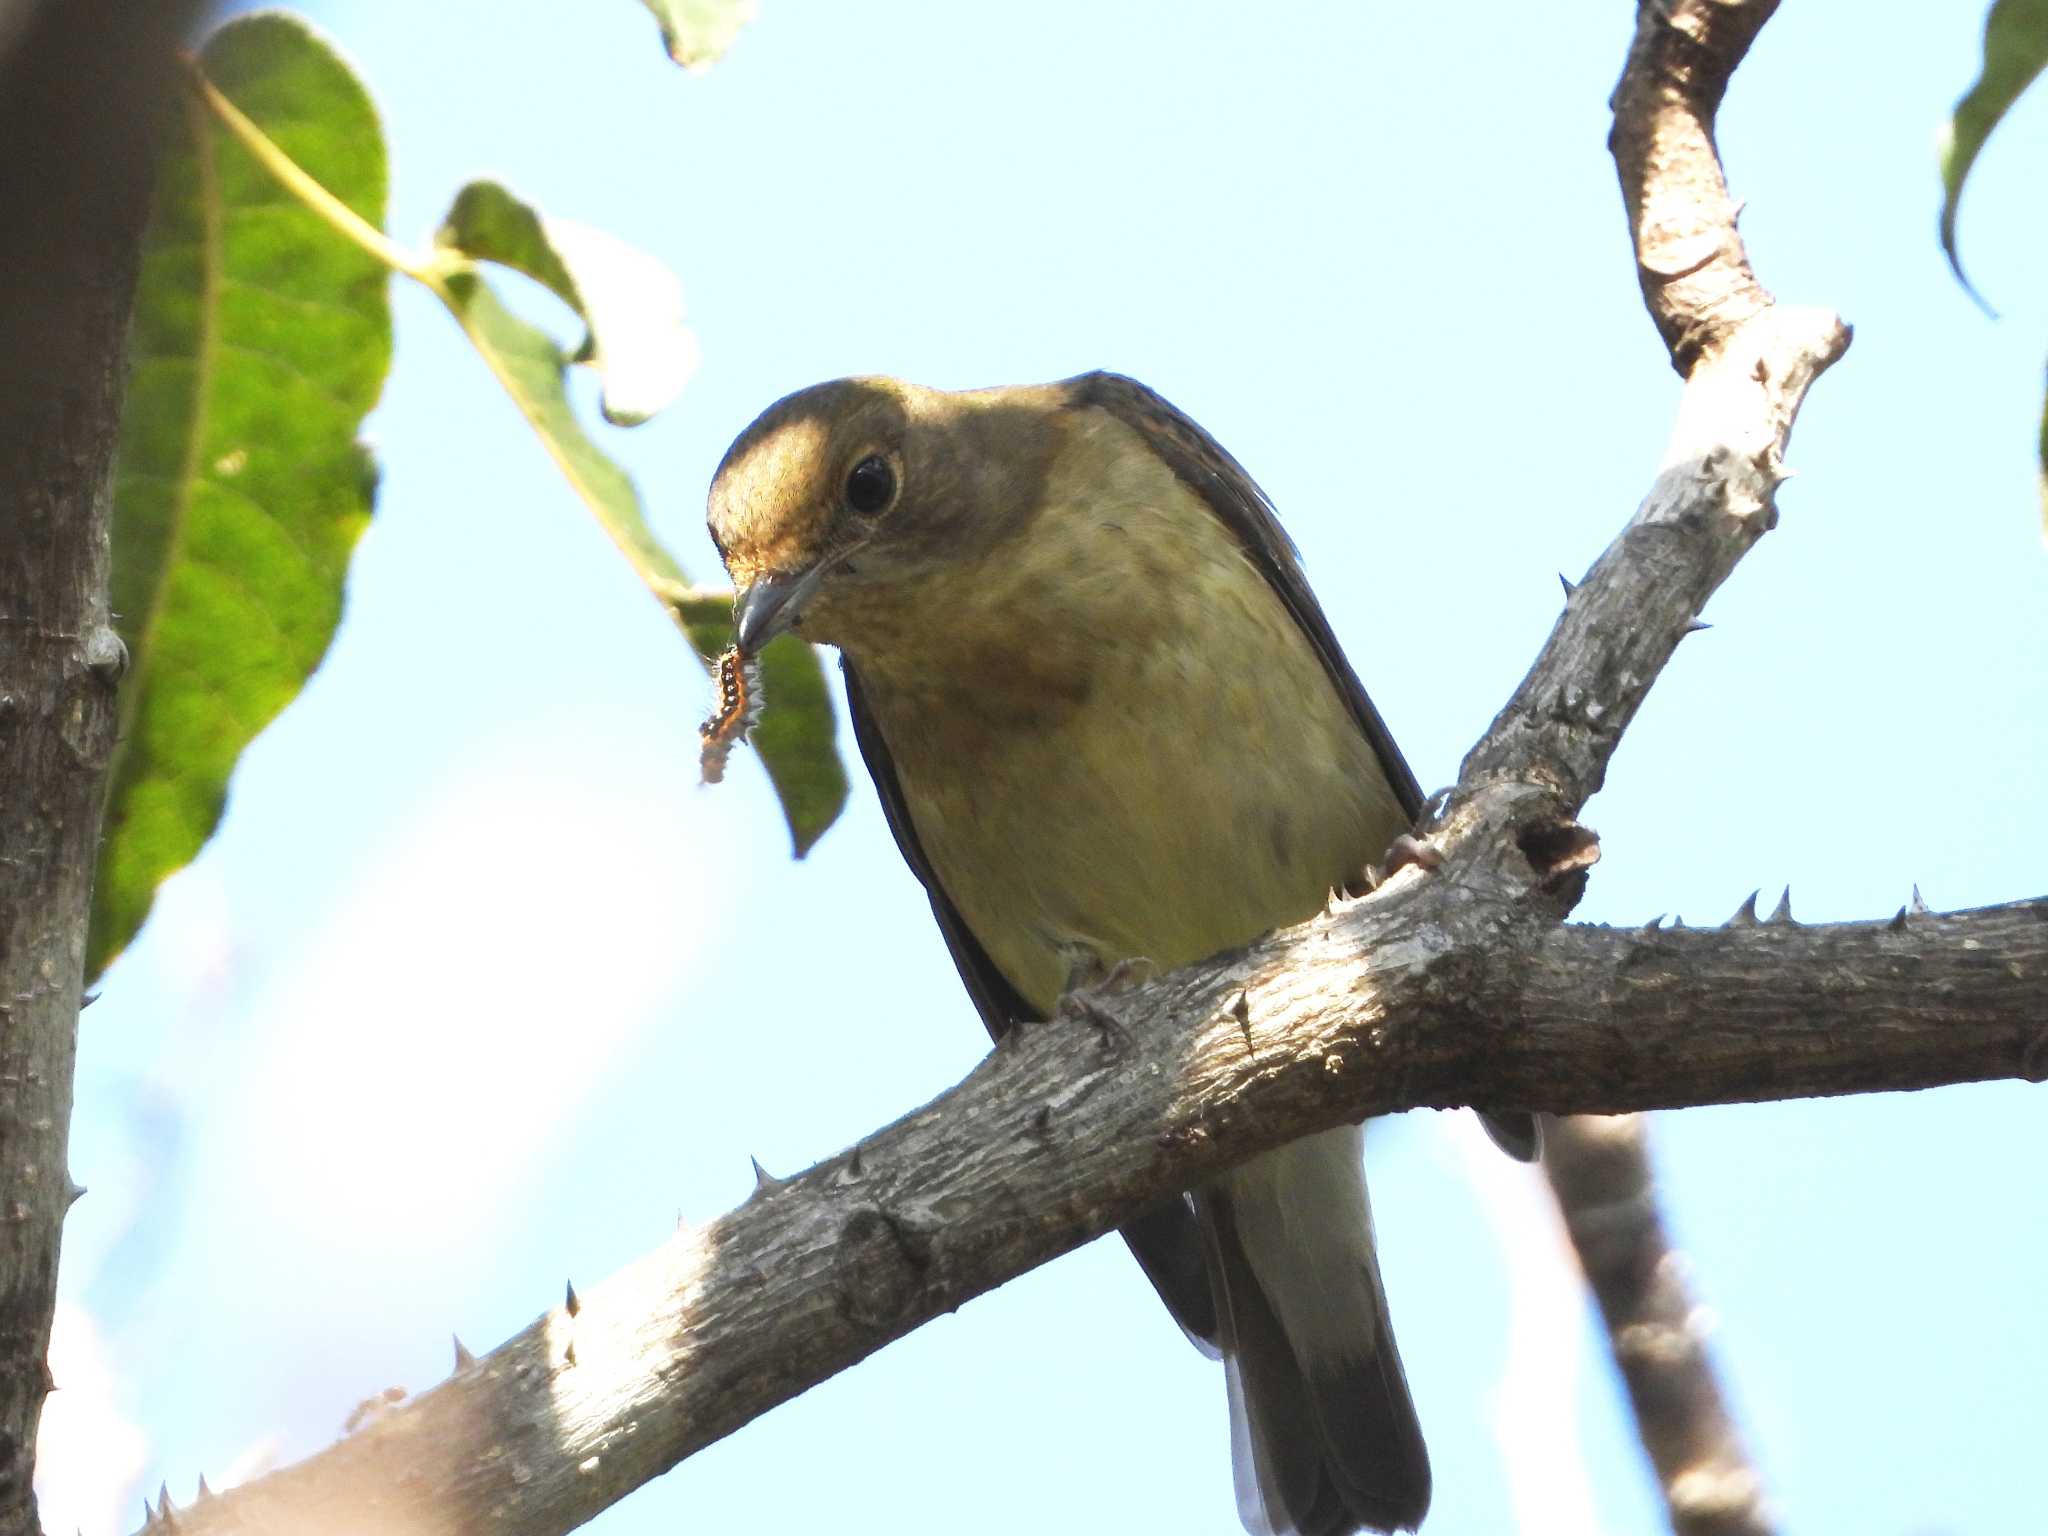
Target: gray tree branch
1418,995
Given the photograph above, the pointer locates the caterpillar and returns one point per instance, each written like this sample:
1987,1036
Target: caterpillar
739,709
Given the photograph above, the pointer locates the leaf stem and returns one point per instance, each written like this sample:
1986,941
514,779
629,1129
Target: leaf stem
331,210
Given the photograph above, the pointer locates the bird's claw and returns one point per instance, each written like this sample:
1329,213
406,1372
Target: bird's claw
1405,850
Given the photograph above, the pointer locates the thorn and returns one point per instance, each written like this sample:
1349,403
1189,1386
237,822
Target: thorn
463,1358
1041,1121
856,1162
164,1511
1917,907
87,1001
204,1491
73,1193
1782,912
1745,915
1654,923
765,1183
569,1354
570,1303
1241,1008
148,1514
1677,920
1898,923
1693,627
1569,586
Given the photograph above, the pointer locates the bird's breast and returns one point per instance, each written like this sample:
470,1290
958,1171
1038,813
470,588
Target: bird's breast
1121,744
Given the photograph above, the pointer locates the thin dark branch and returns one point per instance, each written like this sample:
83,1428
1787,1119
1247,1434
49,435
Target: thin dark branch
1600,1168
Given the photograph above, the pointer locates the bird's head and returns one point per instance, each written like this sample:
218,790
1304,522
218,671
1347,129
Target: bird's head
841,499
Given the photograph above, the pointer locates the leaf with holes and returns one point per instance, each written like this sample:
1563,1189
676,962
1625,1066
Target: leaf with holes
260,343
630,304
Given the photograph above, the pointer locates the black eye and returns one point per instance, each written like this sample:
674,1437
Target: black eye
871,486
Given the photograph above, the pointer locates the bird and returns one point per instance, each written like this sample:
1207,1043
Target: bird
1109,723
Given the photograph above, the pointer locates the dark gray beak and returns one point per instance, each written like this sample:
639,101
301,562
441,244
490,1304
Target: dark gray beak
770,605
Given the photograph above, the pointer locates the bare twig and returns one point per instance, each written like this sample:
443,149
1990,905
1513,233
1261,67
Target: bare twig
1600,1168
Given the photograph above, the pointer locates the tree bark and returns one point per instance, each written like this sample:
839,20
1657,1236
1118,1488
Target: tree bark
76,88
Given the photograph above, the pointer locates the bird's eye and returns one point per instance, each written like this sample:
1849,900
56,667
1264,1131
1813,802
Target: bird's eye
871,485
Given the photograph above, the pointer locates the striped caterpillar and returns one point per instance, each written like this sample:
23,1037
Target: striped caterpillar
738,711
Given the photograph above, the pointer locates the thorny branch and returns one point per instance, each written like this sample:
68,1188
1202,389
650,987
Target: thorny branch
1701,291
1396,1000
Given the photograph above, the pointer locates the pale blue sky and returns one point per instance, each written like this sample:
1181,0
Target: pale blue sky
476,988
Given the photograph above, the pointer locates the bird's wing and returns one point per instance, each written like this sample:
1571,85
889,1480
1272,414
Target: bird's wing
1167,1241
995,999
1210,472
1207,469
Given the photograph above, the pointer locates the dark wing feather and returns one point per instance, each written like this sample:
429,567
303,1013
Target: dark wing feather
1207,469
1167,1242
994,998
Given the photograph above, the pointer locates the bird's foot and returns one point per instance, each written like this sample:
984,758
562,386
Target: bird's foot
1086,971
1088,979
1405,850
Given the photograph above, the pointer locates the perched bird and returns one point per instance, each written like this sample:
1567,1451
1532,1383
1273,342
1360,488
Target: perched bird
1108,720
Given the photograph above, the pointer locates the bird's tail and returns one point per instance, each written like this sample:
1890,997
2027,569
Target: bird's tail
1323,1430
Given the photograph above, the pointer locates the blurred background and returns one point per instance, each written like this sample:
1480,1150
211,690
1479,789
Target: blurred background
476,988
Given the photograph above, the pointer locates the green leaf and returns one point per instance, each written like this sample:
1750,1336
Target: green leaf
632,305
795,737
526,360
2015,51
796,734
697,32
260,342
